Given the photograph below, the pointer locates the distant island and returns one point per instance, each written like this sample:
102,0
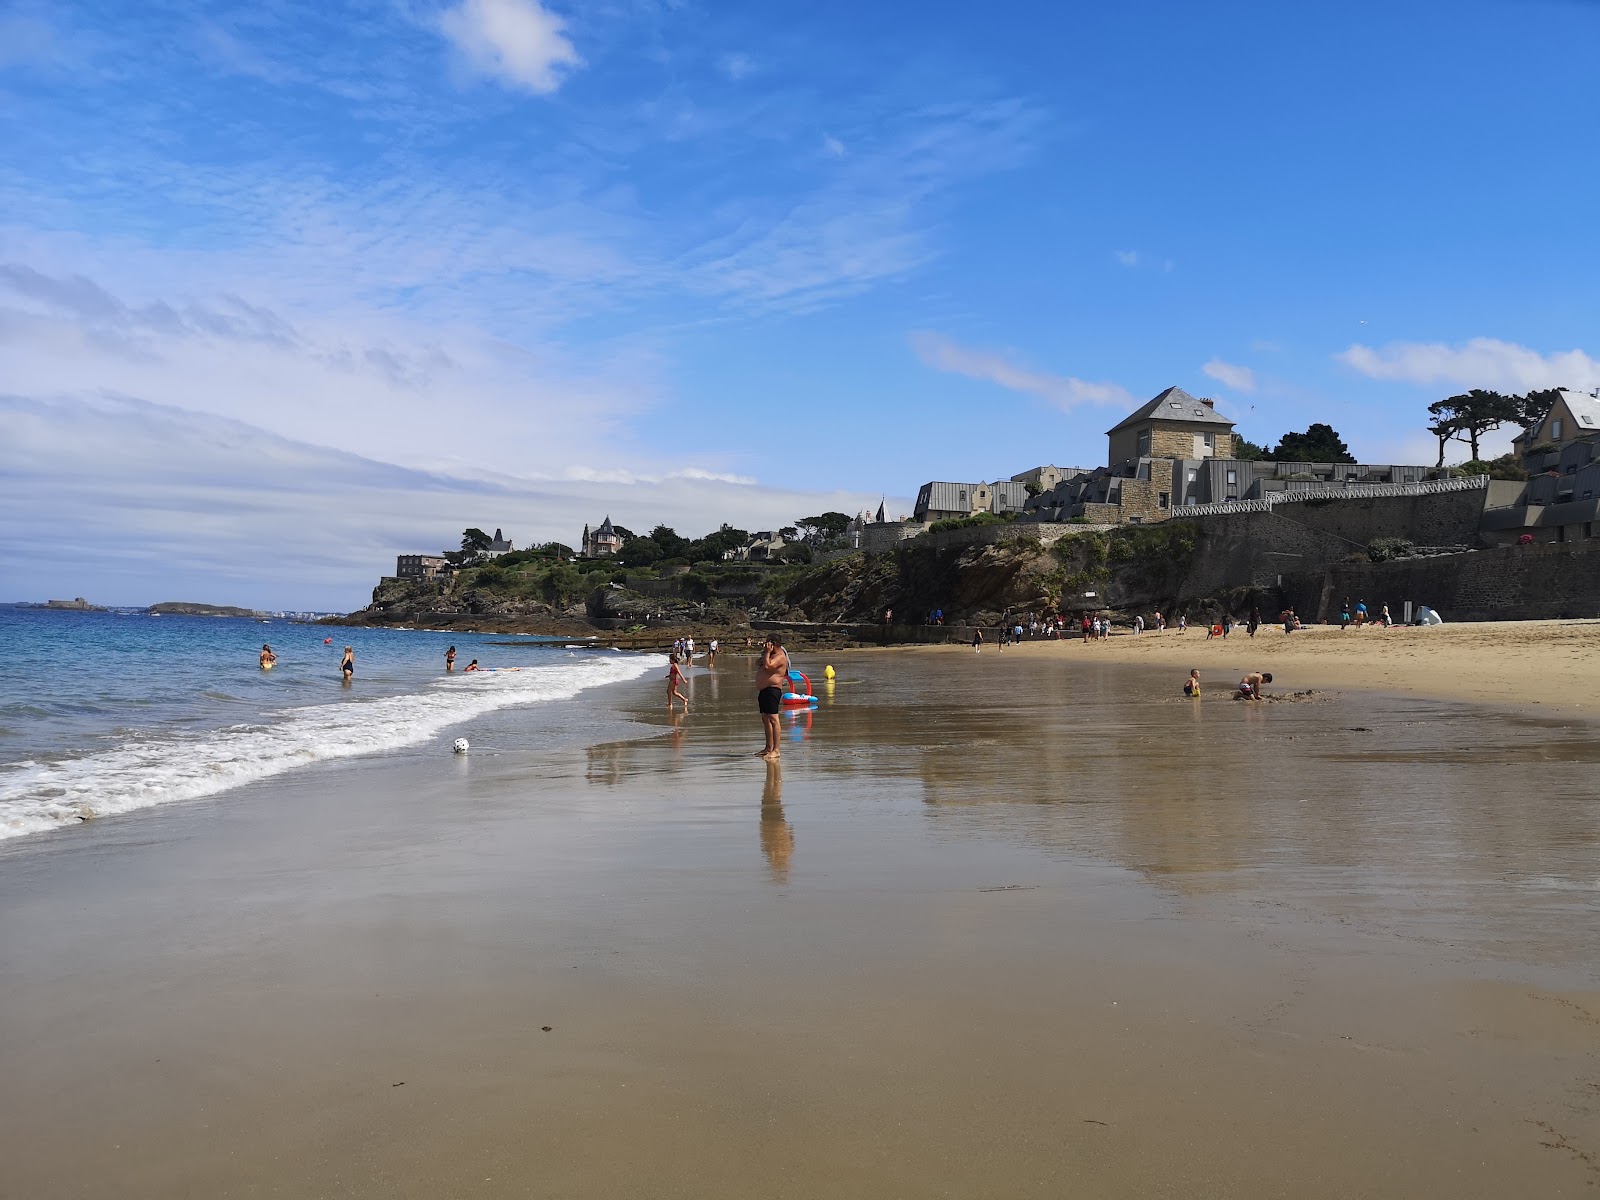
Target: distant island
184,608
77,605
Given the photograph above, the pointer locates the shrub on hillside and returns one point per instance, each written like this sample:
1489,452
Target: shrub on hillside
1386,548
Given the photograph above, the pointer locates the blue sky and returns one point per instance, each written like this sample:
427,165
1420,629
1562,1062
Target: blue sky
286,289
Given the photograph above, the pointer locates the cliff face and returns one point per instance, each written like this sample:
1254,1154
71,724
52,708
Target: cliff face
1139,567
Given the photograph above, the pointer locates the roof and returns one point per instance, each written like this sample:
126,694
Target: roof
1174,404
605,526
1585,409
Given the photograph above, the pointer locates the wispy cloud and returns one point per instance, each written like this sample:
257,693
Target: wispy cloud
520,43
736,66
1128,258
1480,362
131,502
1240,379
1063,391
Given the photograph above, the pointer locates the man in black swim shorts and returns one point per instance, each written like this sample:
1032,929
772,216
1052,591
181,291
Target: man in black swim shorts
771,678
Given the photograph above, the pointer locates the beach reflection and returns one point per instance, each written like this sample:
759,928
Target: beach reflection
777,835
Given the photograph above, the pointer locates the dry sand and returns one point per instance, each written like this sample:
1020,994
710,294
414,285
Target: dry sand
1002,926
1507,663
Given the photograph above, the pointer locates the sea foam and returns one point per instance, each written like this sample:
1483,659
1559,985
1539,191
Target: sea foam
161,768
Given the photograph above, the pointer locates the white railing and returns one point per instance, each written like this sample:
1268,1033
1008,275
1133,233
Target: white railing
1352,491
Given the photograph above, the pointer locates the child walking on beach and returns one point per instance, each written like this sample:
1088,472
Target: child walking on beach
675,677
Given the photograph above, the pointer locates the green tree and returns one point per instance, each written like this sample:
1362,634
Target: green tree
672,546
639,552
475,542
1532,407
824,526
1319,443
1247,451
627,535
713,546
1470,415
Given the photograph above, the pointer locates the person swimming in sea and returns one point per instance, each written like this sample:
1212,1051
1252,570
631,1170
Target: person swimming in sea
473,666
268,658
347,666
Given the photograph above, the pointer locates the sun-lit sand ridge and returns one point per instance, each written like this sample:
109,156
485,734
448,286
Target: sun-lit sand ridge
1548,663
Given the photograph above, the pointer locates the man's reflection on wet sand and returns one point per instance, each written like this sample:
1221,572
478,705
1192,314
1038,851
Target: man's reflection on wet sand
777,835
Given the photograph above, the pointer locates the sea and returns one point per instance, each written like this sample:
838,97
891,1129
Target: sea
103,713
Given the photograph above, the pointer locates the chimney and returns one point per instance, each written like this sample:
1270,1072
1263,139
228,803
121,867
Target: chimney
1208,403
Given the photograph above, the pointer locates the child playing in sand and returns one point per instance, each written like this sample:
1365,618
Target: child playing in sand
675,677
1191,685
1250,685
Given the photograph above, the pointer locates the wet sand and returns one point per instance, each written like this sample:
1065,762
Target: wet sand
997,926
1545,664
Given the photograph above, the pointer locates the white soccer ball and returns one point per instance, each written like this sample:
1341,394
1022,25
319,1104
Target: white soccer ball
461,746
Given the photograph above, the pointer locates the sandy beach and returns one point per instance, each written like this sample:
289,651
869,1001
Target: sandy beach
1019,925
1506,663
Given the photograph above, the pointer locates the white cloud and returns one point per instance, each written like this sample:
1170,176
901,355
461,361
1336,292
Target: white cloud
518,42
832,146
736,66
129,502
1480,362
1063,391
1240,379
1128,258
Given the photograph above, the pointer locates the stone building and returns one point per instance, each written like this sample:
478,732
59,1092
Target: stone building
1573,417
1177,452
1175,425
419,566
500,545
602,542
1046,477
938,500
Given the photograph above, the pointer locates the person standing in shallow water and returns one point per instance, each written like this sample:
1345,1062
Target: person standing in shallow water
347,665
268,658
772,676
450,659
674,678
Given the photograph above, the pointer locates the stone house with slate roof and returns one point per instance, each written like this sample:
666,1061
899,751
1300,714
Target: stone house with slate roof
602,542
1177,451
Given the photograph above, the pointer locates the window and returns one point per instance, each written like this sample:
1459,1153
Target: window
1233,477
1164,499
1192,474
1555,430
1211,441
963,495
1144,443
